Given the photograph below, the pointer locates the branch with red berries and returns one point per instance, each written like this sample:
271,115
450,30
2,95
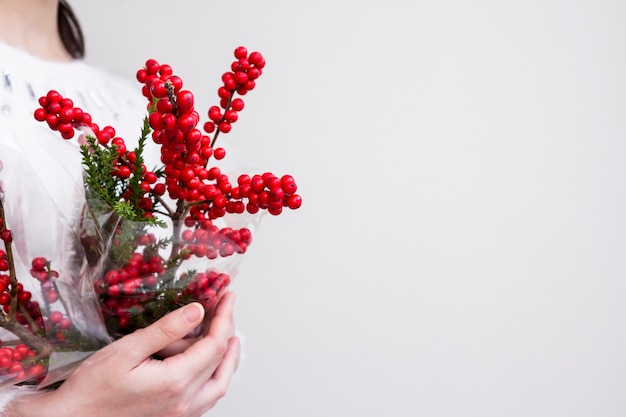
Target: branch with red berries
148,272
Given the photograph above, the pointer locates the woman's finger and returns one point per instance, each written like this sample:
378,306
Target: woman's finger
169,329
201,359
215,388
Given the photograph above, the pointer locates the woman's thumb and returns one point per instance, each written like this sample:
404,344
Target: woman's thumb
167,330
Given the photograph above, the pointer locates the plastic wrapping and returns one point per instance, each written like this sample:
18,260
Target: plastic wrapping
152,270
50,318
101,240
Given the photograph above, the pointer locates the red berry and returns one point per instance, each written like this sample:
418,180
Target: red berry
231,116
168,121
65,323
24,297
150,177
164,105
257,59
38,263
52,120
159,189
254,73
219,153
53,96
177,83
186,122
155,121
152,66
288,184
294,202
241,52
51,296
165,70
225,93
158,89
237,104
66,114
215,114
275,211
40,114
5,235
214,172
123,172
209,127
241,77
185,100
142,75
224,127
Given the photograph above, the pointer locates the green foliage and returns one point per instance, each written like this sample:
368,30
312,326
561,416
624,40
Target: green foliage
108,192
124,242
135,179
99,164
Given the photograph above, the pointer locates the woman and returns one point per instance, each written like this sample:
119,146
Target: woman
41,48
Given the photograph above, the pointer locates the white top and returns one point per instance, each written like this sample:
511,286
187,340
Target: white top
41,172
110,99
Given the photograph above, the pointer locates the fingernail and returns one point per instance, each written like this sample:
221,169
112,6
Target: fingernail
192,313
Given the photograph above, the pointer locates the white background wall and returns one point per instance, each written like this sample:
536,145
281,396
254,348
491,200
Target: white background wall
461,250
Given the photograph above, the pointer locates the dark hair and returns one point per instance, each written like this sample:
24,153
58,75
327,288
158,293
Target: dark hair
70,31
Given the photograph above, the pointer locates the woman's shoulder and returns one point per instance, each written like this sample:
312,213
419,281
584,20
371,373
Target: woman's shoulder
109,97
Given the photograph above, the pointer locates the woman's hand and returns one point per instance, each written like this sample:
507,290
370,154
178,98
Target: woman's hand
121,380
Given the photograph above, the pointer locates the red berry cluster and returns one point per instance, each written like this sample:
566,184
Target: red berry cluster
17,362
24,316
269,192
124,291
28,312
201,191
185,150
209,240
26,306
11,288
61,115
128,293
205,288
42,272
239,80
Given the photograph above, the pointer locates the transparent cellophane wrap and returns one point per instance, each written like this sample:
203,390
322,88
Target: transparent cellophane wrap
114,275
44,204
150,270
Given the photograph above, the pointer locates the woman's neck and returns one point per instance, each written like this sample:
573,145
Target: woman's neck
31,25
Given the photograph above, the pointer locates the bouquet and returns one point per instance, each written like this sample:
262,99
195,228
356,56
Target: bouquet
148,239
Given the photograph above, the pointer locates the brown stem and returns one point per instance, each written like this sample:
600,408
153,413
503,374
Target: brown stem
12,274
197,203
9,321
171,94
217,130
181,211
37,343
170,212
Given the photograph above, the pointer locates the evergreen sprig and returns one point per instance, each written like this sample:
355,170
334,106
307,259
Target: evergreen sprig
100,163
